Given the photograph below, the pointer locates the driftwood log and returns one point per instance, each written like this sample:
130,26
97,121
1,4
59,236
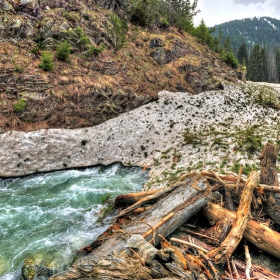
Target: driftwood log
269,177
148,198
128,199
164,217
228,246
258,234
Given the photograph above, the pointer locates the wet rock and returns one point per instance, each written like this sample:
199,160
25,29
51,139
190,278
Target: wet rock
34,271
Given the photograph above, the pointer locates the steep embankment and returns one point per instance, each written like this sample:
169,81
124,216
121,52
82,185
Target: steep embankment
177,133
90,88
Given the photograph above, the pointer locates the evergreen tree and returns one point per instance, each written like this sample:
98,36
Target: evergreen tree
256,69
184,13
179,13
277,57
228,56
203,33
271,66
63,50
265,66
116,31
242,55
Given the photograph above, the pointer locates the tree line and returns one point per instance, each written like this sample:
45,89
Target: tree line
263,64
264,31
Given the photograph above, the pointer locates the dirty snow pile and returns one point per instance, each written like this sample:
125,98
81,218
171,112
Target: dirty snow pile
180,132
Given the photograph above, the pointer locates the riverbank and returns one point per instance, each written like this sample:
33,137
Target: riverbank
177,133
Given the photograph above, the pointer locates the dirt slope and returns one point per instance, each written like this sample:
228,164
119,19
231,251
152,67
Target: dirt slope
84,91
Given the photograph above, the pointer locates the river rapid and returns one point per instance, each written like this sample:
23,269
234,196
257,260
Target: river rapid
47,217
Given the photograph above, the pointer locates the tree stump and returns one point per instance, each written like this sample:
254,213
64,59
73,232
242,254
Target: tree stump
269,177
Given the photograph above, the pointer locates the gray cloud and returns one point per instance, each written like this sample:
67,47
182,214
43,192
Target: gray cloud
247,2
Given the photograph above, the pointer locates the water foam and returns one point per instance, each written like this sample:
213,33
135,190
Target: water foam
54,214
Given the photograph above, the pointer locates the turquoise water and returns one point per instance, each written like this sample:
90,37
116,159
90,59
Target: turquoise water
50,216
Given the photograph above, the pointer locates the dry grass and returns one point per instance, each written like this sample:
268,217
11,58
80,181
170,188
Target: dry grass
138,71
36,126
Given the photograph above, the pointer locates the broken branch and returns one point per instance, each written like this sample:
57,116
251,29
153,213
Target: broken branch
228,246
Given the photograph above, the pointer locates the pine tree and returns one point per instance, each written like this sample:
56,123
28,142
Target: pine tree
255,68
277,54
265,65
179,13
227,54
270,66
242,55
203,33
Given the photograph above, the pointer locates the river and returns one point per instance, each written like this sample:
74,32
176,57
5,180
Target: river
49,216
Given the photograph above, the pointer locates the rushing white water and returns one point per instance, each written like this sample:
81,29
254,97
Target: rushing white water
50,216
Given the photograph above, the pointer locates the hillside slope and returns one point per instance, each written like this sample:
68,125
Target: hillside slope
88,90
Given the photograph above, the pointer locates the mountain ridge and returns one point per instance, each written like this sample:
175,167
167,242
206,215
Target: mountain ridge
264,31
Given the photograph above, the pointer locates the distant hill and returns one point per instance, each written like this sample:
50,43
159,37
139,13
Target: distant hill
264,31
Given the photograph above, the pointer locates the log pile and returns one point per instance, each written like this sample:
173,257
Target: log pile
164,242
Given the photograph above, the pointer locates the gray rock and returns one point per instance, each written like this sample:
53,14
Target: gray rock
30,4
6,6
179,48
162,56
156,43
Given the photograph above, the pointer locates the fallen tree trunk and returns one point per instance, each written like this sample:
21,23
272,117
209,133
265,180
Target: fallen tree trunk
229,201
130,198
258,234
150,198
232,240
164,217
232,182
269,177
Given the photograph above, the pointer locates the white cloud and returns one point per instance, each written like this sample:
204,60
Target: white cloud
219,11
247,2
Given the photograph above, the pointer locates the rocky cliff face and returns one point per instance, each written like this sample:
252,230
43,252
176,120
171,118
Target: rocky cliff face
86,91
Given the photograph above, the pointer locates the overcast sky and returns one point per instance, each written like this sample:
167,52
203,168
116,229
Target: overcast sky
219,11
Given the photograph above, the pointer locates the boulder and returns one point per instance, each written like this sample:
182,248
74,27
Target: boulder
179,48
6,6
164,56
156,43
29,4
31,270
27,30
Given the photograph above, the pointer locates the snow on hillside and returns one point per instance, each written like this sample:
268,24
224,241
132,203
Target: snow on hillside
178,133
